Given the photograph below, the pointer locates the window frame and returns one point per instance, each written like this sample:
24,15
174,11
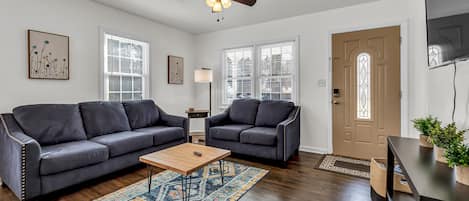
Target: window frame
223,71
256,49
105,76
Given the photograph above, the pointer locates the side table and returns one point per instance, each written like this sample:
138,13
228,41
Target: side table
196,114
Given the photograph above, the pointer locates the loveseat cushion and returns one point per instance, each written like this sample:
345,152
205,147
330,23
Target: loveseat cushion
51,124
163,134
72,155
272,112
259,136
228,132
141,114
124,142
101,118
243,111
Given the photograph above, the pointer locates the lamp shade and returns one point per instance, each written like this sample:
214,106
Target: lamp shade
203,75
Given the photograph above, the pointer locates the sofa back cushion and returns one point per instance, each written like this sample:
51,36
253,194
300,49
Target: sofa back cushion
243,111
272,112
52,123
141,114
101,118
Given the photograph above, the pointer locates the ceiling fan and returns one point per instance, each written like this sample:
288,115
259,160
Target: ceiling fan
218,5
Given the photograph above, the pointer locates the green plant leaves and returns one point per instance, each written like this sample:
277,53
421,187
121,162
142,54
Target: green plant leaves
425,125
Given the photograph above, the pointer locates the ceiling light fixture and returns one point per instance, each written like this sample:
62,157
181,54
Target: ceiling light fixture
218,5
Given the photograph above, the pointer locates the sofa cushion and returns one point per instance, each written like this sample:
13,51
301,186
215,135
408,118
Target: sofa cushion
141,114
124,142
71,155
243,111
51,124
271,112
101,118
163,134
260,136
228,132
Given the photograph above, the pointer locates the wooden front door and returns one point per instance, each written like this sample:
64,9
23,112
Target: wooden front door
366,91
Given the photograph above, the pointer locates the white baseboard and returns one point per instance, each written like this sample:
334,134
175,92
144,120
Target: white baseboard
314,150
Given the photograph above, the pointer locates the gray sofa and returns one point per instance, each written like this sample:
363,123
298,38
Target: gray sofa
264,129
45,148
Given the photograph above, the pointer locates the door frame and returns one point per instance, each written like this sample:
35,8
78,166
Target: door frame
403,24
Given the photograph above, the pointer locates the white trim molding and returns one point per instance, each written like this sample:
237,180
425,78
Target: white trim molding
314,150
404,25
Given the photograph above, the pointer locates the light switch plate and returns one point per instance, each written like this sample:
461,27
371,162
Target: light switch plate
322,83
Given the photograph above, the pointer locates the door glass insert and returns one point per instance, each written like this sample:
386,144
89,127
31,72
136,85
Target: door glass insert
364,86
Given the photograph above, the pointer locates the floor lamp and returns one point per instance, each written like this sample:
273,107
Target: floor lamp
205,75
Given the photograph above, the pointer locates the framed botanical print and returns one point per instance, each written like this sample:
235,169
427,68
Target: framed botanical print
48,56
175,70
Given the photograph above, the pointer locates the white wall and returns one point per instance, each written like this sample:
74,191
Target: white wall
440,97
313,31
81,20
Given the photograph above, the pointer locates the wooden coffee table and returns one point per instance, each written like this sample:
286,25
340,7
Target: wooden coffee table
184,159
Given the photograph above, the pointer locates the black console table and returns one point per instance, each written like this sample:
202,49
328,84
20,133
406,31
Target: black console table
428,179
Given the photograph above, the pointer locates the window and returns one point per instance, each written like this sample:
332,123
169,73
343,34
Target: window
126,69
276,72
270,76
363,86
238,74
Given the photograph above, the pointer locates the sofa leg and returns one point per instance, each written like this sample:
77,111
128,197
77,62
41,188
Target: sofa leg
297,152
283,164
3,185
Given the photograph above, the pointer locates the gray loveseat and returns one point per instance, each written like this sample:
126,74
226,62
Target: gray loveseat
44,148
264,129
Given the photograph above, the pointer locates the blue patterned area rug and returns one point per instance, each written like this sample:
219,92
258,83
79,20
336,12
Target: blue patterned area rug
206,185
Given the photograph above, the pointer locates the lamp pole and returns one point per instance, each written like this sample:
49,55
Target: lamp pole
210,97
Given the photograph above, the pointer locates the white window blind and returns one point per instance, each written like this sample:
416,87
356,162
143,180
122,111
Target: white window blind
126,68
270,77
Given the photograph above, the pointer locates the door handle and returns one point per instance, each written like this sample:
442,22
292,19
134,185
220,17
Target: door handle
335,102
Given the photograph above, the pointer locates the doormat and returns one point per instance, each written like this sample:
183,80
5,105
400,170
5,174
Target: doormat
347,166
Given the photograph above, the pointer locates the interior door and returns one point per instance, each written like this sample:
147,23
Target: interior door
366,91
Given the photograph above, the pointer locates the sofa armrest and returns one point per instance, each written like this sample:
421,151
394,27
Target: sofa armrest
213,121
20,159
217,120
174,121
288,135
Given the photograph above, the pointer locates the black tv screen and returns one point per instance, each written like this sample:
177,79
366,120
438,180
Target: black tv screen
447,31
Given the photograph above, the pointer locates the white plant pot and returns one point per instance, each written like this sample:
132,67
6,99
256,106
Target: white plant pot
440,154
462,175
425,141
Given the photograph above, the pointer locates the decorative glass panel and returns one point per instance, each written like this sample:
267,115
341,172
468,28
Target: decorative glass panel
434,55
364,86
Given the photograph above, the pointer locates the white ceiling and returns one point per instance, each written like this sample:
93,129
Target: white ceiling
195,17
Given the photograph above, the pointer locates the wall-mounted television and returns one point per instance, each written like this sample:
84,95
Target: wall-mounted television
447,31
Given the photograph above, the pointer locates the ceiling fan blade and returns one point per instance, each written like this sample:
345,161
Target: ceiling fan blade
246,2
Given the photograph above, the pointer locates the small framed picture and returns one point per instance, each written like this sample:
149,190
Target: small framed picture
175,70
48,56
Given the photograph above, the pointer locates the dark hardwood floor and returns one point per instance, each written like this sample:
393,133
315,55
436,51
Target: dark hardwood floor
298,182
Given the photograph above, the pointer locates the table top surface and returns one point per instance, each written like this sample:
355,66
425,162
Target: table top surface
197,111
430,180
181,159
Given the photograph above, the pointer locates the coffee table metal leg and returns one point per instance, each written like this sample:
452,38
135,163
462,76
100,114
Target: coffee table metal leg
150,174
222,170
186,187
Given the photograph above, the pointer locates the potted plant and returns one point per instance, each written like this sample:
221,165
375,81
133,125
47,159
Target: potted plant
443,138
425,125
458,156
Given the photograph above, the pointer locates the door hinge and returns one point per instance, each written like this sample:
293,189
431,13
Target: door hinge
400,40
